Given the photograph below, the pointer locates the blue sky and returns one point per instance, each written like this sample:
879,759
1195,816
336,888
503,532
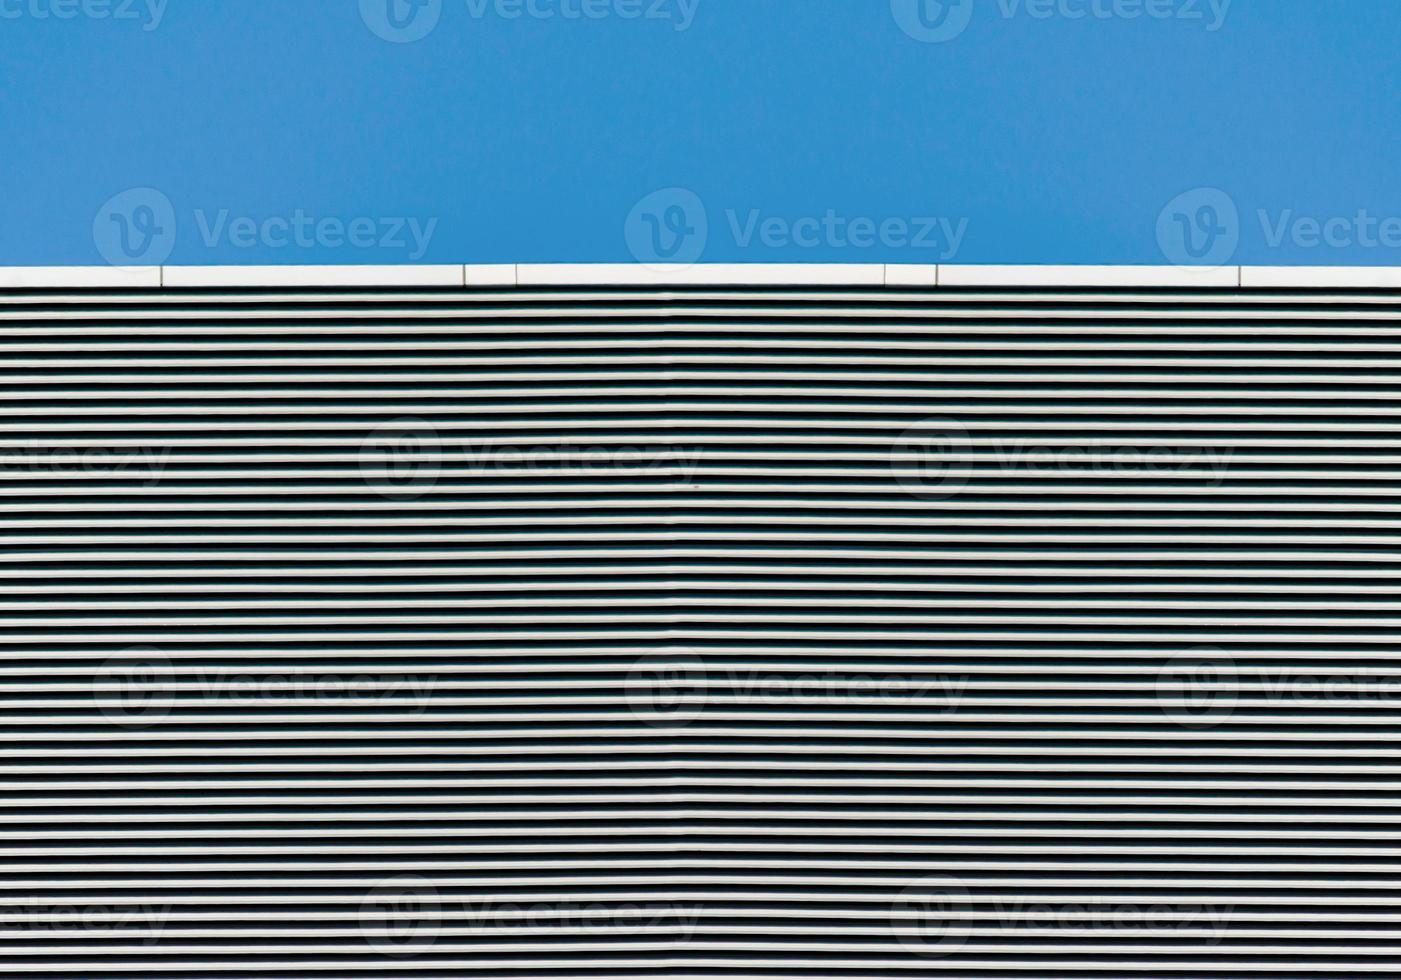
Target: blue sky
1027,131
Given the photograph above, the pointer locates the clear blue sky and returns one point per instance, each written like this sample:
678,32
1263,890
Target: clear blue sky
1037,131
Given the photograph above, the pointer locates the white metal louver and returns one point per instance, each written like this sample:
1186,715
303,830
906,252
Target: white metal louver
703,631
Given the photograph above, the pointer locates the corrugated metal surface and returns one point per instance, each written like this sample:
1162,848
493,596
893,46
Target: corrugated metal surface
700,634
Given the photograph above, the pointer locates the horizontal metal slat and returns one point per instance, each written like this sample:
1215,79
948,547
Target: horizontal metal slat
1163,692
